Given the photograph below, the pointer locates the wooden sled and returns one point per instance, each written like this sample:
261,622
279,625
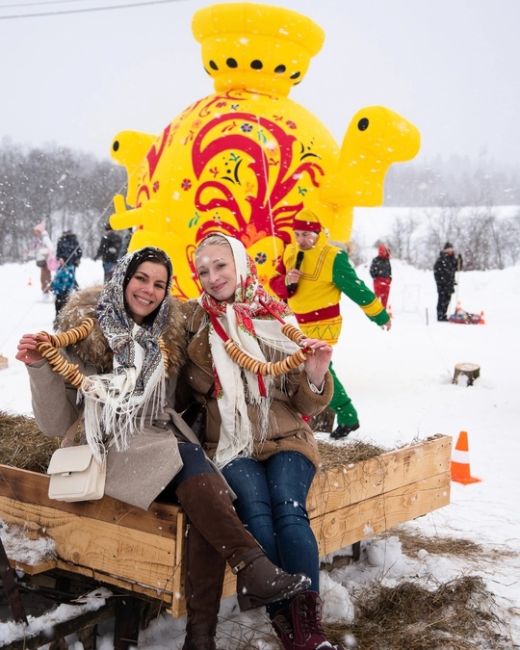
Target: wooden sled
141,551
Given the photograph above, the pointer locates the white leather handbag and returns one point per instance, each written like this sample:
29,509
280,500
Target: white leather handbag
75,475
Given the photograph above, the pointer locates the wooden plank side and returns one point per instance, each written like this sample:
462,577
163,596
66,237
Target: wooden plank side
178,605
128,584
368,518
343,486
142,557
33,569
31,487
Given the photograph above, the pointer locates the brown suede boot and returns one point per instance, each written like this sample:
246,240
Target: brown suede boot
206,501
203,578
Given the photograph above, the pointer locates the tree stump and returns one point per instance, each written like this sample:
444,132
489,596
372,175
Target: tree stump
469,371
3,362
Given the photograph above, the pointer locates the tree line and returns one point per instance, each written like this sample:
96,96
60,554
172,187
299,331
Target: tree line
66,188
485,238
456,181
73,190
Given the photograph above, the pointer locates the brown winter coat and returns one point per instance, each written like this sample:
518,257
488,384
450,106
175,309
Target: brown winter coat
287,430
138,474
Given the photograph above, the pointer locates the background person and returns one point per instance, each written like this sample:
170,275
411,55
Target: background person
311,277
254,428
381,273
127,406
62,285
110,249
44,253
69,250
444,270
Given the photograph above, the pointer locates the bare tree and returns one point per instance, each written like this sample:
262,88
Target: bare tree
67,189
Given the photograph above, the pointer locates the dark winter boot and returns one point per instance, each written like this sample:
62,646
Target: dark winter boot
206,501
299,625
203,578
342,430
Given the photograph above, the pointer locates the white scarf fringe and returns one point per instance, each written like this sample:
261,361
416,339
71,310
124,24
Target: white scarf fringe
236,436
108,407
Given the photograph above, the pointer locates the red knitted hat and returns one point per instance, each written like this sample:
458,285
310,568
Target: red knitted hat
307,221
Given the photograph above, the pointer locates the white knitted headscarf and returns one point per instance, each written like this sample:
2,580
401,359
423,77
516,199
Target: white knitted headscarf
236,437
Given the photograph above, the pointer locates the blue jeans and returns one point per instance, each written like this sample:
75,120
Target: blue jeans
194,463
271,498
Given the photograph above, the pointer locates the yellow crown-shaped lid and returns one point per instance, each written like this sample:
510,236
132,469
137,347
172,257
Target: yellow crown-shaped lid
254,46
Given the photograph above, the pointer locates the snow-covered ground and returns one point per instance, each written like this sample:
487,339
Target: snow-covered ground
400,382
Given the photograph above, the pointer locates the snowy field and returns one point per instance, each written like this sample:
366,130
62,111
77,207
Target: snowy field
400,382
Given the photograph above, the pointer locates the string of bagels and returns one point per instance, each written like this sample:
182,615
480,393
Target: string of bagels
71,373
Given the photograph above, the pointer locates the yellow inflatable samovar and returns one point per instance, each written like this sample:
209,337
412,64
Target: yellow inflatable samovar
246,159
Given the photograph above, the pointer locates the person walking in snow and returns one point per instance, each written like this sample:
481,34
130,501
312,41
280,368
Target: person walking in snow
69,250
381,273
44,252
62,285
110,249
311,277
444,270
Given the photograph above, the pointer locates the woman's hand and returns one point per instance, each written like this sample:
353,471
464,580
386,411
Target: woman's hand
27,348
317,363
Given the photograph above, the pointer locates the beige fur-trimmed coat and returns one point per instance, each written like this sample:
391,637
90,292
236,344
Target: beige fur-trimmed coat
138,474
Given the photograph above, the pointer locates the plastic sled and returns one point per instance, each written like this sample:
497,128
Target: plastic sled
466,318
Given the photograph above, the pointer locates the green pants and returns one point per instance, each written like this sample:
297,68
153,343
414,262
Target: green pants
341,403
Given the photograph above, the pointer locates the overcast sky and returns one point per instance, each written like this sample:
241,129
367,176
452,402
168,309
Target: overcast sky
450,66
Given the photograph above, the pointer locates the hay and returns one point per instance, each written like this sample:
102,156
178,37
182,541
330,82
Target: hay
352,452
23,445
356,451
412,542
458,615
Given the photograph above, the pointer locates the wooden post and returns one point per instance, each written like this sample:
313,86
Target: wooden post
126,629
8,575
469,370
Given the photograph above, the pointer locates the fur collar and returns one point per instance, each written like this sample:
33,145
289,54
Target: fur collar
94,349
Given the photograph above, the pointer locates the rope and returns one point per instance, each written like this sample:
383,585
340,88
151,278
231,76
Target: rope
70,371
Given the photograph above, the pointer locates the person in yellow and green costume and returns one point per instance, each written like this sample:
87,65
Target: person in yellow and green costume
311,277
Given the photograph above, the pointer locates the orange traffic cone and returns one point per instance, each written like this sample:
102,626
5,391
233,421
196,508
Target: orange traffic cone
460,471
29,282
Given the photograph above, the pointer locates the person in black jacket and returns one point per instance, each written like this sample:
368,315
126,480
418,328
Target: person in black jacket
110,249
69,252
381,273
444,269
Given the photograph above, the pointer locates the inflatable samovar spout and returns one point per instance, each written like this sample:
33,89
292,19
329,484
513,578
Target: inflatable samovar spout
246,159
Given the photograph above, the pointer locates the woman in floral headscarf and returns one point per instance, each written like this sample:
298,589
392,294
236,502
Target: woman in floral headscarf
255,429
124,408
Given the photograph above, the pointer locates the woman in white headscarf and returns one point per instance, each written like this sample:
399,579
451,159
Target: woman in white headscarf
256,425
